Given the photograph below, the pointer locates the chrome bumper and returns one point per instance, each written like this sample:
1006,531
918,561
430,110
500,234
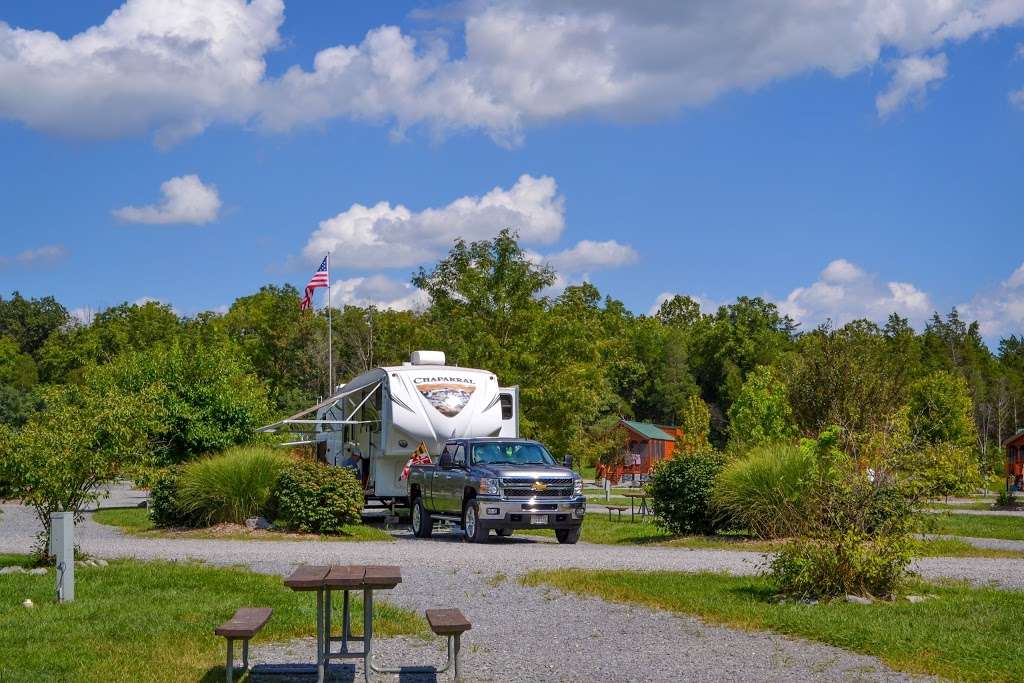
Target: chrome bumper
500,513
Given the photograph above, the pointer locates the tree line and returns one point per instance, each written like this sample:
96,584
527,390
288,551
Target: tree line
582,360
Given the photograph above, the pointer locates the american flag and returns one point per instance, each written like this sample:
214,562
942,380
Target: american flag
320,279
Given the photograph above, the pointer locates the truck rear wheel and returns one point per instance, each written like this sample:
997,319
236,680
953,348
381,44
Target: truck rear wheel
422,524
569,536
474,532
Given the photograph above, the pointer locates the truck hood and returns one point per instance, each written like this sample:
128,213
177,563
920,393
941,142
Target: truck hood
524,471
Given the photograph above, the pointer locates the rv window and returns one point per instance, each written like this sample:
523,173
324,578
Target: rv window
506,406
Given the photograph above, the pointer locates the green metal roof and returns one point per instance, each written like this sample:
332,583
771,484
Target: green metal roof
648,431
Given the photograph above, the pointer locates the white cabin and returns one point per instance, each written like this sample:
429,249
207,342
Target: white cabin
387,412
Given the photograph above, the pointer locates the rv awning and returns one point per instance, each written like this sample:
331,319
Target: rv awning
333,400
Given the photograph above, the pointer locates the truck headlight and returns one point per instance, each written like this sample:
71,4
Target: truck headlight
489,486
577,486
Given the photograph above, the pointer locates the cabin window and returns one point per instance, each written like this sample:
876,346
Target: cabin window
506,406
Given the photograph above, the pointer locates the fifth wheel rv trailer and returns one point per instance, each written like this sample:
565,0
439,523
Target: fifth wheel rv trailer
388,412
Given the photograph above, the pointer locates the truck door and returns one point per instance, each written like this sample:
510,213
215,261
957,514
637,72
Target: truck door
457,481
440,479
509,398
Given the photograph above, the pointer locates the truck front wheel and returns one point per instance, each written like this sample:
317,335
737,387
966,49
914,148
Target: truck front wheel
422,524
568,535
475,533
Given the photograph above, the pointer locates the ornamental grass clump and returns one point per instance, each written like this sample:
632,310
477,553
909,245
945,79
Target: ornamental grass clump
764,492
230,487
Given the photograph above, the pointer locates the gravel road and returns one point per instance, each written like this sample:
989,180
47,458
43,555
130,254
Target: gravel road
534,634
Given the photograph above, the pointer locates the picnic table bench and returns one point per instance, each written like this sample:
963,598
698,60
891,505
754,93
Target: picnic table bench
245,624
324,580
617,508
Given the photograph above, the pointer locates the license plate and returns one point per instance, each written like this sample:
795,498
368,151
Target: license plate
538,519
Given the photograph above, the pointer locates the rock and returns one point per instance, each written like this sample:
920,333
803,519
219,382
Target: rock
101,563
916,598
79,563
858,600
257,523
91,563
808,601
38,571
27,604
12,570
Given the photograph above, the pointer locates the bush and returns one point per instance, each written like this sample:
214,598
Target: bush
763,492
230,487
163,500
842,563
856,541
681,492
315,498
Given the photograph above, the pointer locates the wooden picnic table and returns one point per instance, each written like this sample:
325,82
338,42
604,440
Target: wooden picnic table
324,580
643,496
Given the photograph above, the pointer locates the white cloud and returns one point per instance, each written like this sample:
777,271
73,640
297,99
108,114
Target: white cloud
386,236
83,314
1016,98
380,291
999,311
911,79
46,254
186,200
587,255
175,67
845,292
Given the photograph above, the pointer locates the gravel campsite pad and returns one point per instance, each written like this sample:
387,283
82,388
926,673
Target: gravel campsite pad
563,637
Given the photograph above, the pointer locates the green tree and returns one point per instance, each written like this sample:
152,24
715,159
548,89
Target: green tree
941,411
84,437
30,321
207,394
761,413
695,421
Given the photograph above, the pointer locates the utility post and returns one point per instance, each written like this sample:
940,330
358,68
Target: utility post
62,546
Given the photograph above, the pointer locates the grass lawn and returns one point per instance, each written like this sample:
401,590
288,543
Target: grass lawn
598,529
964,633
8,560
979,526
151,621
137,521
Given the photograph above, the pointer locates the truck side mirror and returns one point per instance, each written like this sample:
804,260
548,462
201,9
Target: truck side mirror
567,462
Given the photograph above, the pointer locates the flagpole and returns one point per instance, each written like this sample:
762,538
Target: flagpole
330,346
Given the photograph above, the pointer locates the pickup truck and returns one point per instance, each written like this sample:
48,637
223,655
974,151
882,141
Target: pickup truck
496,483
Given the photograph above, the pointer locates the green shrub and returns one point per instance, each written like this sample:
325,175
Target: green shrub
163,500
856,540
315,498
842,563
230,487
681,492
763,492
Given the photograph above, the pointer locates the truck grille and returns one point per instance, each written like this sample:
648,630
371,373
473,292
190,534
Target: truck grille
523,488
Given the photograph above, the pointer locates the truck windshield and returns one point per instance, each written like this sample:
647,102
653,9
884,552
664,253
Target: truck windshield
510,453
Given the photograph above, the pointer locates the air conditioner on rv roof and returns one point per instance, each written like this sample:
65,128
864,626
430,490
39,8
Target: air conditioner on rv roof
427,358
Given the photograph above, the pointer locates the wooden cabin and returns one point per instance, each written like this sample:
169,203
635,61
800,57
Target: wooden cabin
645,445
1015,461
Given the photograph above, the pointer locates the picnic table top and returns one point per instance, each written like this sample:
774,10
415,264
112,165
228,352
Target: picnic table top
308,577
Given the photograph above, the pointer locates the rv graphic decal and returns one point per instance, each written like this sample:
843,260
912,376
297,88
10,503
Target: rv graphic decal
447,398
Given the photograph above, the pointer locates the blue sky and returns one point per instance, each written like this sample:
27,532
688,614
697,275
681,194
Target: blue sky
838,170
